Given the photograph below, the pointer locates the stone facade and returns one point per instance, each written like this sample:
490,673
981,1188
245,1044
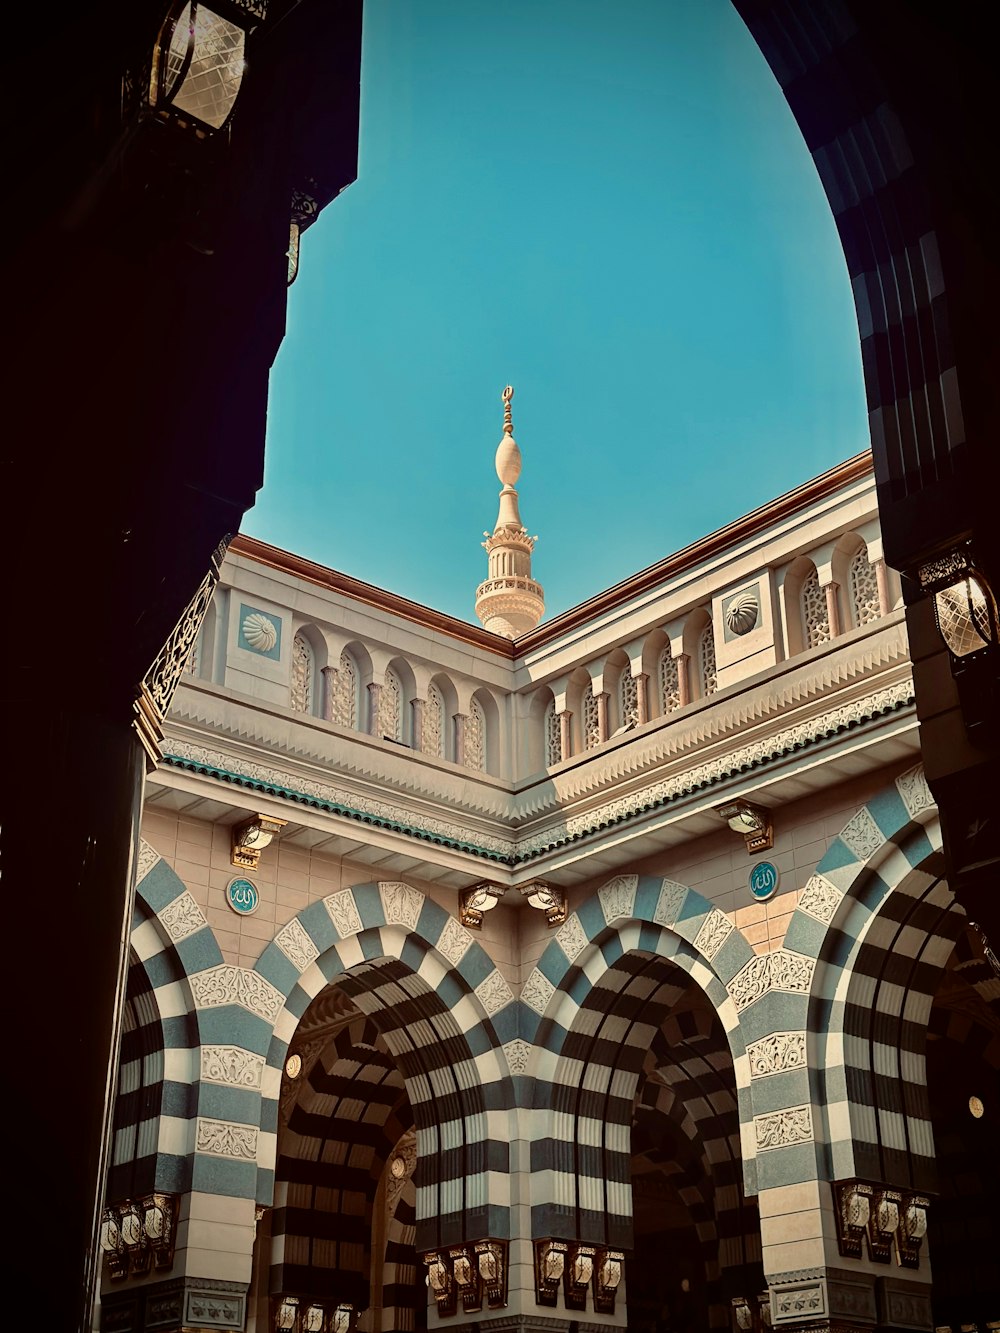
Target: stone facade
368,1111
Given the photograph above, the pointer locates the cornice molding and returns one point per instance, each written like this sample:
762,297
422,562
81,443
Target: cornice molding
755,754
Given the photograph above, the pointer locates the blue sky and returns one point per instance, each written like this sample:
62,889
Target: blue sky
607,204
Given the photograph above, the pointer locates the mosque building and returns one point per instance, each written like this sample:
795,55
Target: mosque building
556,976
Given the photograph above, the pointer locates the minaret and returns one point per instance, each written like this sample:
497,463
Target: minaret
510,602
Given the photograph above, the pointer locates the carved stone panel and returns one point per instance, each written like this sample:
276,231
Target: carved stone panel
715,930
776,1053
668,905
783,1129
820,899
344,913
221,1138
572,938
296,944
494,993
537,991
618,896
232,1065
228,984
401,903
182,917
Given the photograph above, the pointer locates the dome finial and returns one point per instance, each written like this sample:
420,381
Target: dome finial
510,602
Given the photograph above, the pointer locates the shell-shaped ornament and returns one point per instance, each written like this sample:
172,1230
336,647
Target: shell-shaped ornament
742,612
260,633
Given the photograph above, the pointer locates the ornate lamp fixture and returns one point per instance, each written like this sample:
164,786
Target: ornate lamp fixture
491,1257
251,837
137,1234
442,1286
752,821
608,1273
964,606
199,62
577,1275
550,1264
475,902
548,899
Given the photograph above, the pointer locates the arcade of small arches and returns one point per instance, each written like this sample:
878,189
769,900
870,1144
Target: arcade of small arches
822,595
665,1129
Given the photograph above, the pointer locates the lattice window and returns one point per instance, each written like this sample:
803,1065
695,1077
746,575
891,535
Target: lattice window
303,665
475,737
864,589
815,614
706,655
670,682
628,698
344,694
390,707
432,737
553,736
591,720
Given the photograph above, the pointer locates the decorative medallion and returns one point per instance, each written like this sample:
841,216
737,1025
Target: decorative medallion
763,881
293,1065
242,896
260,633
740,612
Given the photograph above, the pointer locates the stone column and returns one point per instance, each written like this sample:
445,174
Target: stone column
417,705
460,738
602,716
565,733
374,702
684,678
832,609
882,581
642,698
329,675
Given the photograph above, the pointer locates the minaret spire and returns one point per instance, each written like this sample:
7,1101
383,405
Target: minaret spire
509,602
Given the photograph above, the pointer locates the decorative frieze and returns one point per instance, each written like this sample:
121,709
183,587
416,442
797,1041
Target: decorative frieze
182,917
777,1053
343,912
228,984
783,1129
222,1138
231,1065
297,944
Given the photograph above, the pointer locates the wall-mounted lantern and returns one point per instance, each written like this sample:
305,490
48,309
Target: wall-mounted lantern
251,837
474,903
752,822
199,62
546,898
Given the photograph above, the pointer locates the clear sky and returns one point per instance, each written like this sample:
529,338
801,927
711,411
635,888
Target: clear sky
607,204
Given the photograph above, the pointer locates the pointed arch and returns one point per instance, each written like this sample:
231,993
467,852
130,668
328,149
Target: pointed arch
602,988
444,1012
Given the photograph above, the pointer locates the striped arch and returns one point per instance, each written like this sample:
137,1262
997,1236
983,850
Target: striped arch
873,931
601,992
404,1296
443,1011
349,1111
156,1113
